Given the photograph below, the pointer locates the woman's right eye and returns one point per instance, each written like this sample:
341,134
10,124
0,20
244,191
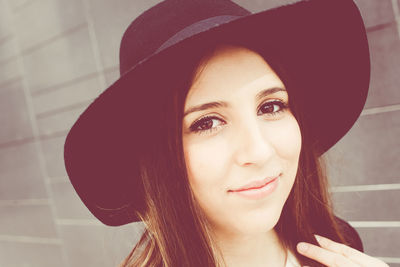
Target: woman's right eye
206,124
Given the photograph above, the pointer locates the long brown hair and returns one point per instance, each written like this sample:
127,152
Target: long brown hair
177,233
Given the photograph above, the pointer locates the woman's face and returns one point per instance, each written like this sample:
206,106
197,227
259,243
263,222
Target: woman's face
238,136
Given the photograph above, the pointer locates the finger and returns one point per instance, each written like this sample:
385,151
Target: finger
338,247
324,256
351,253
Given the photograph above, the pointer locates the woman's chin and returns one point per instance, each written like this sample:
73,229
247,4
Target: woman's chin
254,224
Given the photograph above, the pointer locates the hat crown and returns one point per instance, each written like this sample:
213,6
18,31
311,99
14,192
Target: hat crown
148,32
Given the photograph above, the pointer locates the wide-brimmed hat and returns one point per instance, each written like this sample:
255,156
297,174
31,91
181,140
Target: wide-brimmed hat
321,43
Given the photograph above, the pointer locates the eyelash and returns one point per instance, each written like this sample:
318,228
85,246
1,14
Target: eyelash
195,126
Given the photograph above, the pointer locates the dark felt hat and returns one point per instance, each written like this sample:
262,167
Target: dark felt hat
322,44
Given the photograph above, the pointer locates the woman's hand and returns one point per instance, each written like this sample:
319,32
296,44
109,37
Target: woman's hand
334,254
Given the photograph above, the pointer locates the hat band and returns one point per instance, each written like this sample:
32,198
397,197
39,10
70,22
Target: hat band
195,28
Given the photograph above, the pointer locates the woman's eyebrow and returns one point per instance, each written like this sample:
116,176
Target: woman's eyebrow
206,106
219,104
269,91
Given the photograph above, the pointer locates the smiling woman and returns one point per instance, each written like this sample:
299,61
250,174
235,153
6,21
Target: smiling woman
242,156
213,134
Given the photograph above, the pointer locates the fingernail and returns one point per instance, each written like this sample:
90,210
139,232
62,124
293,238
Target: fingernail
302,247
319,239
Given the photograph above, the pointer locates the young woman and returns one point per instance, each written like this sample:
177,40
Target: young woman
213,134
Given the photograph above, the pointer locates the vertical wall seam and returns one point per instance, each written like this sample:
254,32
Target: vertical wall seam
396,12
35,130
95,46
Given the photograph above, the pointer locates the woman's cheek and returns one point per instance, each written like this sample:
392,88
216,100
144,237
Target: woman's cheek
205,162
286,137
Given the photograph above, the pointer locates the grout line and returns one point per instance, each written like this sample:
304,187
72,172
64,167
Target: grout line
52,39
30,239
111,69
22,6
378,110
53,135
10,81
64,84
18,142
374,224
380,26
25,141
8,59
42,137
95,46
24,202
56,111
58,134
58,180
363,188
389,259
6,38
81,222
67,83
72,81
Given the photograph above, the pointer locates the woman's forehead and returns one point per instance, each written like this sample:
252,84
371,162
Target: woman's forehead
232,69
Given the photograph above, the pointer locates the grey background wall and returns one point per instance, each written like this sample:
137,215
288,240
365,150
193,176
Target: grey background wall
57,55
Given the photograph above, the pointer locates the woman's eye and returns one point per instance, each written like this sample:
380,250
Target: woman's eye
211,123
206,124
272,107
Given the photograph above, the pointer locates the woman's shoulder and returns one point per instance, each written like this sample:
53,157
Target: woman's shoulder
350,234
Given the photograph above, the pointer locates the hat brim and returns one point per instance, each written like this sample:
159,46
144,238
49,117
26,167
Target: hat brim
325,50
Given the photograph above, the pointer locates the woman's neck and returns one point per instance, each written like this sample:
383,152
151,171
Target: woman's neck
252,249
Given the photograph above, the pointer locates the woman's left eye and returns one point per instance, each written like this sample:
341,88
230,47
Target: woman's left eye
272,108
207,124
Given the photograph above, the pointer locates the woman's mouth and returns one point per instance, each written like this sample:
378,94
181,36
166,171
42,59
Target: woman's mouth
257,189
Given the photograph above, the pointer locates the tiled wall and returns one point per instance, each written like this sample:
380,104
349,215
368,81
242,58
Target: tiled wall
57,55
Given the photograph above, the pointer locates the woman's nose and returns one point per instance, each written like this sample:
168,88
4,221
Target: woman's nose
253,146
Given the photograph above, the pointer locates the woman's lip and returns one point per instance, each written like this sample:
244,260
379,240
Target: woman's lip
258,193
255,184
